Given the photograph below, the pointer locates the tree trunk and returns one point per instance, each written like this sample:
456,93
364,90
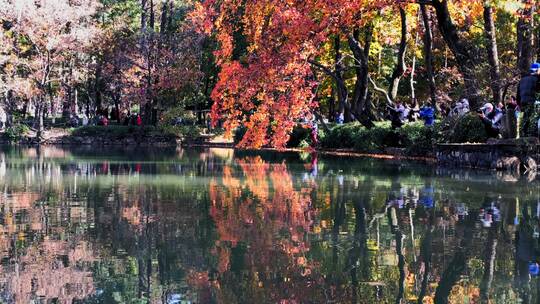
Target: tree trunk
428,56
525,40
465,59
164,19
399,70
97,90
67,105
361,56
143,15
493,54
413,68
152,16
171,15
338,70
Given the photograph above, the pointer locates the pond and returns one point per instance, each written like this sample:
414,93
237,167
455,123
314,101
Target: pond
219,226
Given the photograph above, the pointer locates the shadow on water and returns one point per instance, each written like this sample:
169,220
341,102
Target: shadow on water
223,226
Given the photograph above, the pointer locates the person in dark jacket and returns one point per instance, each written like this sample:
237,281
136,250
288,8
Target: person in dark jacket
528,87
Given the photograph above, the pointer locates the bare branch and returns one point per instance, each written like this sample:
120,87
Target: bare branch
381,90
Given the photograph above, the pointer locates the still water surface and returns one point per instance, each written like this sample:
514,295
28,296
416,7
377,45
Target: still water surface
217,226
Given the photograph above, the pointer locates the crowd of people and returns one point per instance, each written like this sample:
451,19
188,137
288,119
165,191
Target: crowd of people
515,117
102,119
521,110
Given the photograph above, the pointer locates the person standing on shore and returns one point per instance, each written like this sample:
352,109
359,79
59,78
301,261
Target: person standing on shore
528,87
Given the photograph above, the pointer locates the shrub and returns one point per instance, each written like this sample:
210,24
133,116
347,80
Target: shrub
468,128
419,139
16,132
376,139
416,138
341,136
180,123
300,137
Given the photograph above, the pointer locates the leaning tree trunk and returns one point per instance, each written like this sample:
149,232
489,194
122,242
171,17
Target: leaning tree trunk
466,60
428,54
399,70
492,51
525,39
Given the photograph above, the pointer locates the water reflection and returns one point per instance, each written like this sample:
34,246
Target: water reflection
215,226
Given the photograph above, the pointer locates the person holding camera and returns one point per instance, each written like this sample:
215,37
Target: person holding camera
491,117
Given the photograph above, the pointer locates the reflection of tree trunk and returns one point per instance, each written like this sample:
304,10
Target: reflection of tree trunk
489,262
359,249
399,237
457,265
523,254
426,253
339,217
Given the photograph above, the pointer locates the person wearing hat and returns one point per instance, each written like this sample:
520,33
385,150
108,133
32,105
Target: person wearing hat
491,117
528,87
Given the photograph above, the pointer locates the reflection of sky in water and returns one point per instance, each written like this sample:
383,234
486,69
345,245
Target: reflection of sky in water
218,226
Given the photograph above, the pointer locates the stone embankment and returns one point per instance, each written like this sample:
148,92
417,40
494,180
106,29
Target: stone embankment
503,155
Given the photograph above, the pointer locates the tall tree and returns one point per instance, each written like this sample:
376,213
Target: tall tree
399,70
466,59
492,51
49,33
525,36
428,53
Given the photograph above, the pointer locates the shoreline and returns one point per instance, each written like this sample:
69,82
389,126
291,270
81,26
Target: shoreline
98,142
519,156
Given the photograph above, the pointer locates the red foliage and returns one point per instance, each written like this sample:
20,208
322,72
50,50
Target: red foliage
270,85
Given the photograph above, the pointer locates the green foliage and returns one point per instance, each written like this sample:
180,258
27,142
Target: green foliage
341,136
416,138
376,139
187,129
16,132
355,136
419,139
468,128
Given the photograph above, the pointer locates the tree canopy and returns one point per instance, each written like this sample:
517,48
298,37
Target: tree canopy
261,66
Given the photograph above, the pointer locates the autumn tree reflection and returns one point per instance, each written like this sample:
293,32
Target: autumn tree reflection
43,257
263,219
